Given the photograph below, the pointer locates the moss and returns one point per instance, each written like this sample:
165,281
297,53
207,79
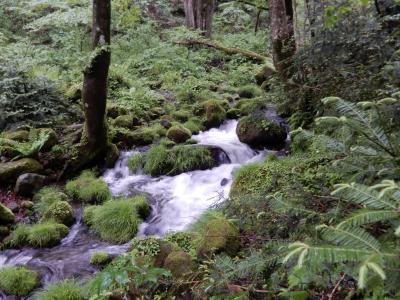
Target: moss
179,134
233,113
167,143
181,115
159,130
112,156
219,236
125,121
250,106
179,263
194,124
116,221
8,151
46,197
88,214
100,258
144,136
6,215
11,170
249,91
113,111
64,290
59,212
214,112
161,161
18,281
89,189
19,135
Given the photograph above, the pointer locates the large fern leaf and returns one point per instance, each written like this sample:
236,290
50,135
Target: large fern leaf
362,217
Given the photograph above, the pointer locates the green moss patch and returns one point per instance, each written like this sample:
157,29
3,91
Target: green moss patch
18,281
179,134
100,258
64,290
88,189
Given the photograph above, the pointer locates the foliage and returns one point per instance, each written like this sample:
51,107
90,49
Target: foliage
99,258
18,281
67,289
88,189
44,198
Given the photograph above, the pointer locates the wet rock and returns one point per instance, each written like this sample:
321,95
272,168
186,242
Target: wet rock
6,215
259,132
166,124
11,170
29,183
111,156
219,155
224,182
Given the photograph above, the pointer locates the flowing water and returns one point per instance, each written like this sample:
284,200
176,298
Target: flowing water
176,202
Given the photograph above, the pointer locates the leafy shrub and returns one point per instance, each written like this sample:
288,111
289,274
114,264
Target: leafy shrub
18,281
149,246
88,188
67,289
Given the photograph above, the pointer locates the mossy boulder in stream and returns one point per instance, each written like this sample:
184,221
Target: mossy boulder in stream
6,215
18,281
117,220
41,235
59,212
88,188
215,114
179,134
179,263
259,132
10,171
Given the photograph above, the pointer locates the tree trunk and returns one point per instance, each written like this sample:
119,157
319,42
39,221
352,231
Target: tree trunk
94,93
282,35
199,15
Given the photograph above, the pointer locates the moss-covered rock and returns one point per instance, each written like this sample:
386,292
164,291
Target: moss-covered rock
250,106
59,212
179,134
19,135
179,263
219,235
215,114
113,111
29,183
259,132
10,171
41,235
249,91
181,115
18,281
100,258
126,121
233,113
144,136
195,125
46,197
88,189
112,156
6,215
118,220
8,151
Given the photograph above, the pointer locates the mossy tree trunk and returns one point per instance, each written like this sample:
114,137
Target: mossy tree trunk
282,35
94,94
199,15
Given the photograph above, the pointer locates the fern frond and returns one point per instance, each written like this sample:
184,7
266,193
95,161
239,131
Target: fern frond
363,195
362,217
278,204
351,237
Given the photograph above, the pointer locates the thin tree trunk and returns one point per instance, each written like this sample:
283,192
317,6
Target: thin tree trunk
257,20
199,15
94,93
282,35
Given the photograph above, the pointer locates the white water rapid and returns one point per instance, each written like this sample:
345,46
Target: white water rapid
178,200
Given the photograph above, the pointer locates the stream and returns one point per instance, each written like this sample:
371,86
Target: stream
177,201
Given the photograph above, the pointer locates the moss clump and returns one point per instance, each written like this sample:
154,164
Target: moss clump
6,215
250,106
46,197
233,113
100,258
135,162
144,136
181,115
64,290
125,121
195,125
219,235
259,132
18,281
59,212
18,136
249,91
215,114
11,170
179,263
37,236
88,214
179,134
162,161
89,189
117,221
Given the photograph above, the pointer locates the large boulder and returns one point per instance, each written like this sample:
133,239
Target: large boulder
179,134
29,183
6,215
11,170
259,132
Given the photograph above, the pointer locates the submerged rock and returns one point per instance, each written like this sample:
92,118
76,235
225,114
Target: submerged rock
11,170
260,132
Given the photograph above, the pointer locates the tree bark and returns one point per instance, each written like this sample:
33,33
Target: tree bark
94,93
199,15
282,35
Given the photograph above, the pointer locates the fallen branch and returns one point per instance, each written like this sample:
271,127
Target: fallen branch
227,50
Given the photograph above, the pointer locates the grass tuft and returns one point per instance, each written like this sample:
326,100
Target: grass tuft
18,281
64,290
